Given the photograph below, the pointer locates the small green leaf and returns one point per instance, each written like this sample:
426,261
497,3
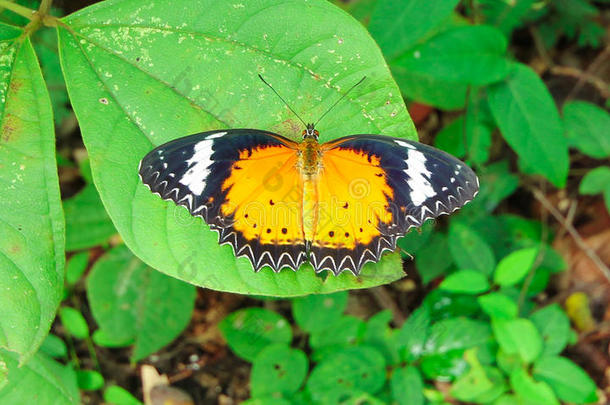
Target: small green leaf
411,337
446,366
508,362
76,266
456,333
497,183
54,347
41,381
514,267
596,181
570,382
116,395
530,391
465,282
505,15
586,127
31,221
132,302
391,18
444,305
518,336
74,322
407,386
344,331
473,55
416,239
359,367
107,339
479,384
529,121
379,335
554,326
278,369
89,380
87,223
498,306
250,330
469,249
429,263
316,312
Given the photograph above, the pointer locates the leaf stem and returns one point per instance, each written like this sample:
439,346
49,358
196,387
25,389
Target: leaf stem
45,7
18,9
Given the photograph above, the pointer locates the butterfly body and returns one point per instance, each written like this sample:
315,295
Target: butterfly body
280,203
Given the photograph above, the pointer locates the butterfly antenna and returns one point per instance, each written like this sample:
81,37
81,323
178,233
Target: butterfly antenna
340,98
282,98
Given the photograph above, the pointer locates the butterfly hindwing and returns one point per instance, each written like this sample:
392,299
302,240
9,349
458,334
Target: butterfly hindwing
243,183
377,188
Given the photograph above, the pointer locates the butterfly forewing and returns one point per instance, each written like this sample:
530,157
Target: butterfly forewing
243,183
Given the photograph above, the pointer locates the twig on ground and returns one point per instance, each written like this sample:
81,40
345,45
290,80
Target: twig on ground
573,232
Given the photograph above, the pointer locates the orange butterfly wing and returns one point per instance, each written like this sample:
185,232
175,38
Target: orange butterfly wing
244,183
373,189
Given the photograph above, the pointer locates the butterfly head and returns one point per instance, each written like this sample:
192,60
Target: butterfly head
310,132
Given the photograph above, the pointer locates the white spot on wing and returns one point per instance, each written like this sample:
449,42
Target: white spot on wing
418,177
216,135
404,144
198,166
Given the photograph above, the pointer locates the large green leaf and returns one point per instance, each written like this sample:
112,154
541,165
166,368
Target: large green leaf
141,73
41,381
31,220
132,302
529,121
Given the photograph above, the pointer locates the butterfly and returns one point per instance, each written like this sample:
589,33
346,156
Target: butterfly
338,204
280,203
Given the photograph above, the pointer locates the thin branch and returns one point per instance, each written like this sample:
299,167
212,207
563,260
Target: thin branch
45,7
18,9
589,74
573,232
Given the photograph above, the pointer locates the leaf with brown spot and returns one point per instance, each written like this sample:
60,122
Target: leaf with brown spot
31,218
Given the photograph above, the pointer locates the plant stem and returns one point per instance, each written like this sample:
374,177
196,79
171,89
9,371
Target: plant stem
45,7
18,9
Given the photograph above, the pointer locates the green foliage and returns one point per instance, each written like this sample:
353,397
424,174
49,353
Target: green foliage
529,122
479,331
597,181
87,223
89,380
484,343
315,312
278,369
41,379
586,127
132,303
74,322
249,331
